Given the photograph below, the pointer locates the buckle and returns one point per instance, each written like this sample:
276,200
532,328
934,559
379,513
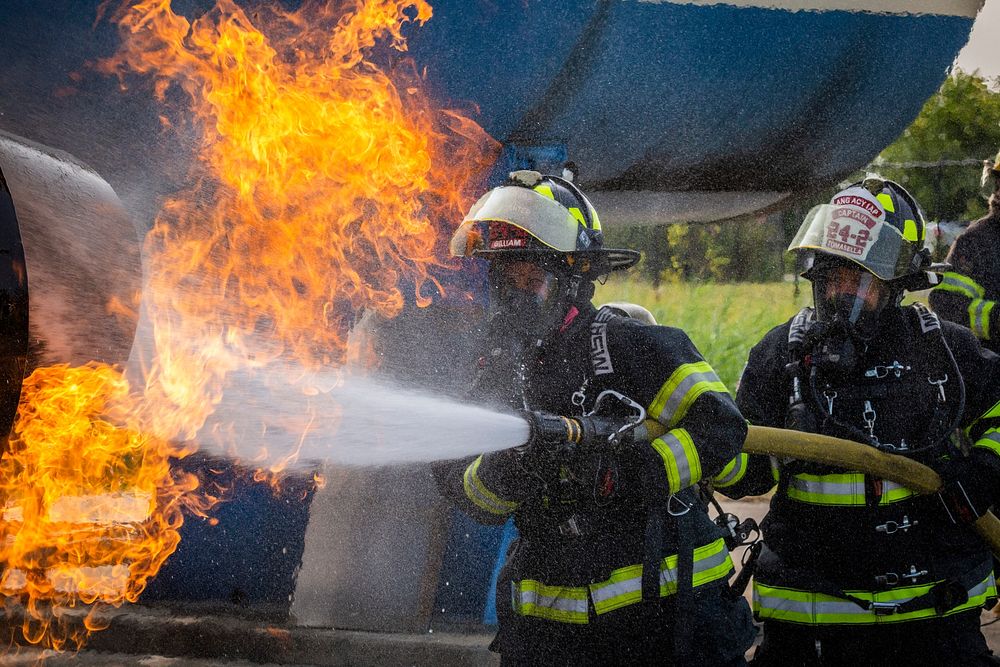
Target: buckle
570,528
885,608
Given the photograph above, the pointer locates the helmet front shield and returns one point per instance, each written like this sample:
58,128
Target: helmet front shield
544,223
856,234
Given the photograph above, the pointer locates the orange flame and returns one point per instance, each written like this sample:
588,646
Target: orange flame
316,195
91,506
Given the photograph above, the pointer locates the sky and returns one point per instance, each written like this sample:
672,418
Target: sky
983,50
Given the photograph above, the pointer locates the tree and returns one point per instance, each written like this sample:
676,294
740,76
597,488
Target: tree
959,124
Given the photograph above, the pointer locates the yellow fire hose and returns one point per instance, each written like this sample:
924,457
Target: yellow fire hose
851,456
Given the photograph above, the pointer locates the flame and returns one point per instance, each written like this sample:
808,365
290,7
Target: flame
318,192
90,505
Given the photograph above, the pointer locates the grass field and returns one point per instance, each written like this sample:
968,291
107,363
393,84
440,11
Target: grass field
723,320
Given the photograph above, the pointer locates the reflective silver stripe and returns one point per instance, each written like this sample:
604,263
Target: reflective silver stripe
989,440
976,317
680,393
842,489
706,569
529,596
851,488
959,285
809,607
680,459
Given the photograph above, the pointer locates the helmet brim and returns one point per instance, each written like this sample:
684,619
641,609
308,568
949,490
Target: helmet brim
601,261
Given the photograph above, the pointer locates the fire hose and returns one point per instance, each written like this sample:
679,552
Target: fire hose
815,448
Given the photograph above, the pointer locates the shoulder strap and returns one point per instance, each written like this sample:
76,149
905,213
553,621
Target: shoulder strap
797,331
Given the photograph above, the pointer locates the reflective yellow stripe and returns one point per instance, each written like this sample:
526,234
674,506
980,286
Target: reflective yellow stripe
680,459
595,222
569,604
886,199
578,214
681,390
910,231
844,489
733,472
956,282
545,190
990,440
482,497
800,606
624,586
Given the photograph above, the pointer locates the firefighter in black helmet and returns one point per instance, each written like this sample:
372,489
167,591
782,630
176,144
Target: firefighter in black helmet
616,560
857,570
969,292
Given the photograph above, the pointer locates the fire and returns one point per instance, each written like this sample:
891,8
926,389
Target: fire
91,506
317,191
320,190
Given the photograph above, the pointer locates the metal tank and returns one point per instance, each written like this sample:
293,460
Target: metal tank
69,266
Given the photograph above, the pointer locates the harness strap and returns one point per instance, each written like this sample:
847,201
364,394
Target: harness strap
684,599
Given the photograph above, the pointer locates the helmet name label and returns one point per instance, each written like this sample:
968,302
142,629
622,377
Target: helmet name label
507,243
855,215
503,235
859,201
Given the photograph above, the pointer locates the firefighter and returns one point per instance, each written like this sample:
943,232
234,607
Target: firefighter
616,559
969,291
857,570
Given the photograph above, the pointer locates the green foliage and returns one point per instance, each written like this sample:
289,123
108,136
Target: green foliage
724,321
961,121
742,251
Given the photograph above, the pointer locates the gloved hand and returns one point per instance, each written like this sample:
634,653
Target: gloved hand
968,490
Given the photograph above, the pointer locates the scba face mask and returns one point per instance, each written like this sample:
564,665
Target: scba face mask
849,302
526,300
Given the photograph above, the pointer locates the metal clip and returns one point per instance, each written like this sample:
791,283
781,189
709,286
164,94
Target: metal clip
885,608
671,500
636,418
895,368
887,579
830,395
940,385
901,447
579,396
890,527
869,415
913,574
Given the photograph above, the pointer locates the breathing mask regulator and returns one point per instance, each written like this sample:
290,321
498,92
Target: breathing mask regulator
849,302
